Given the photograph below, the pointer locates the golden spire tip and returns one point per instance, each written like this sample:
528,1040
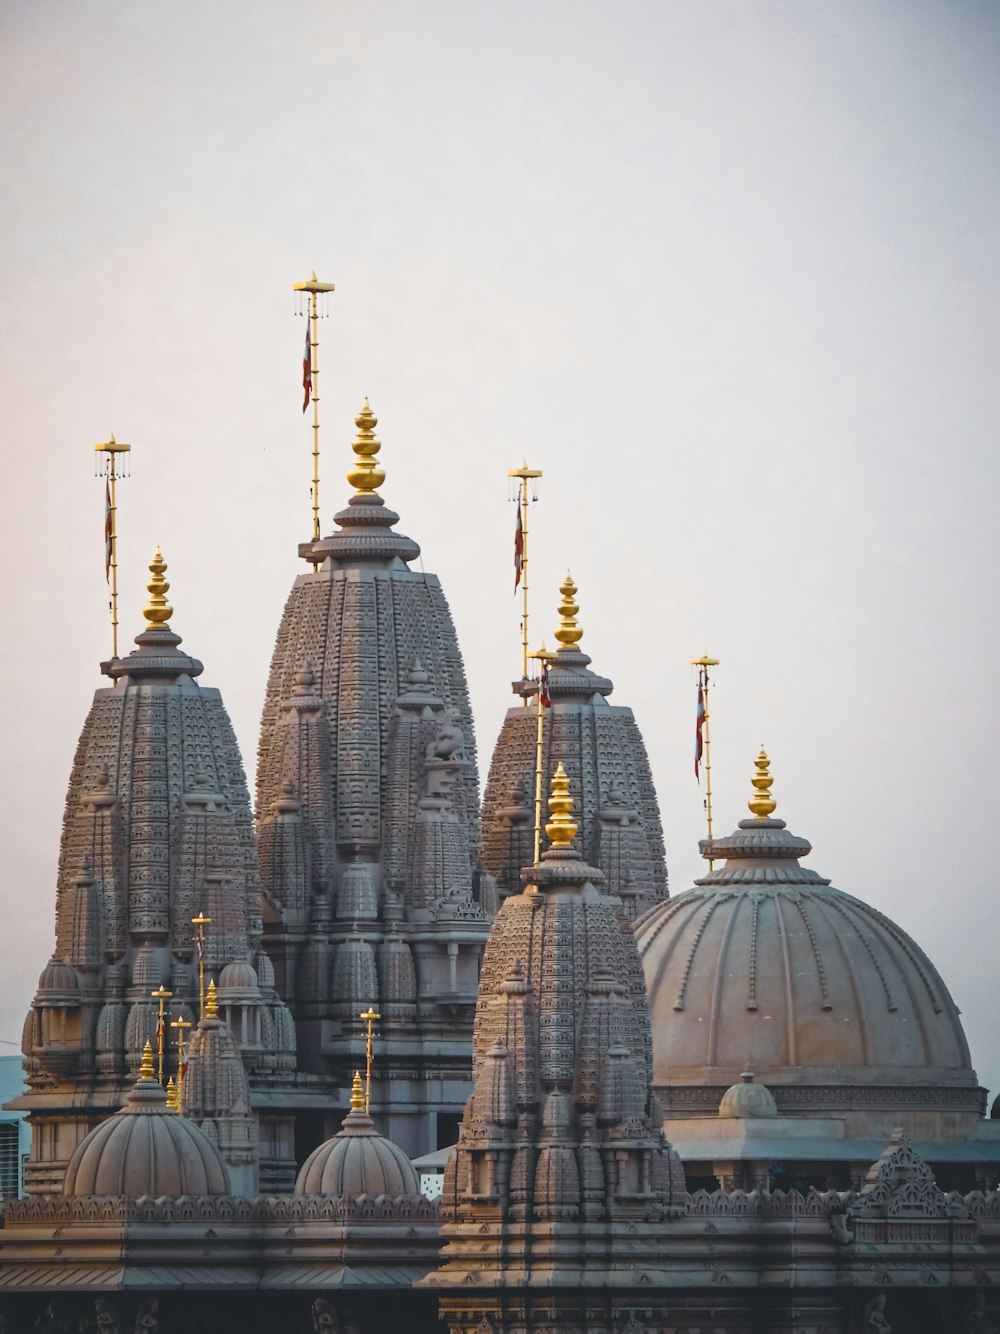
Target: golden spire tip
569,633
762,804
366,477
357,1093
146,1070
212,1001
562,828
158,610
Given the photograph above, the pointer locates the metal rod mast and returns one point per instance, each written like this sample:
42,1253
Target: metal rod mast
544,657
314,287
201,921
162,995
524,474
112,448
369,1016
703,663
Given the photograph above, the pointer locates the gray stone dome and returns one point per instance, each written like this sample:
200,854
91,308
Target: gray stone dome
748,1098
357,1161
764,965
146,1149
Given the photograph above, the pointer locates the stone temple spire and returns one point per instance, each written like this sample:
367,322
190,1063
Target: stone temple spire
561,1164
603,752
367,807
157,826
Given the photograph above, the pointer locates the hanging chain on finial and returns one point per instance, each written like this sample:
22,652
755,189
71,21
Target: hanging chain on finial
114,466
365,476
158,610
524,475
561,828
762,804
569,633
310,382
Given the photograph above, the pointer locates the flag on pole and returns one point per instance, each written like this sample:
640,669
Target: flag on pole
307,379
199,945
699,745
544,698
518,549
107,531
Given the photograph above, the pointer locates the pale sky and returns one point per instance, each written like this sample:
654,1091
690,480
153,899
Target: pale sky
729,273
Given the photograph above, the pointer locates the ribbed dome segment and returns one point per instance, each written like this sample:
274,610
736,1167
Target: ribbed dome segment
146,1149
764,965
357,1161
603,752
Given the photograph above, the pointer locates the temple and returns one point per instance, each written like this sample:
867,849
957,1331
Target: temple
380,1059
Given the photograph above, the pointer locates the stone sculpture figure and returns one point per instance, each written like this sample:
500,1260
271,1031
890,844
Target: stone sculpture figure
324,1318
107,1316
147,1317
875,1321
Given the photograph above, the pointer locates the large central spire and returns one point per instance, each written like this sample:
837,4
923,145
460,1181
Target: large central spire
367,807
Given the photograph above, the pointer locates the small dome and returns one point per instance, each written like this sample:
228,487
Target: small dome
357,1161
58,979
238,975
146,1149
747,1099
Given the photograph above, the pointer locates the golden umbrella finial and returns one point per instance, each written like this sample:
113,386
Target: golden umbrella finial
146,1070
561,828
172,1095
357,1093
212,1001
762,804
366,477
569,633
158,610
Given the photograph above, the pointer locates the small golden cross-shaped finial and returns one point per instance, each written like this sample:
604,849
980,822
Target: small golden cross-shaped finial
762,804
569,633
561,828
158,610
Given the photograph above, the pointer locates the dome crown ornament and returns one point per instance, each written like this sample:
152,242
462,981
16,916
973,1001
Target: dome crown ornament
158,610
366,477
569,633
562,828
762,804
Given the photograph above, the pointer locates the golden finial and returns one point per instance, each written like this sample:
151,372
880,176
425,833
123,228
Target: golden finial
357,1093
569,633
172,1095
762,804
562,828
212,1001
366,476
146,1070
158,610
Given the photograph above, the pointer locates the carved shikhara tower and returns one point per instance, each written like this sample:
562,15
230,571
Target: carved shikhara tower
367,810
157,829
603,752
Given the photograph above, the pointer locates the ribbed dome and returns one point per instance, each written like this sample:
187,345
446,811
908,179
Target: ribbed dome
239,975
764,965
357,1161
748,1098
146,1149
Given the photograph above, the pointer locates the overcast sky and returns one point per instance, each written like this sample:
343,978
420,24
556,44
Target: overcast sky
728,272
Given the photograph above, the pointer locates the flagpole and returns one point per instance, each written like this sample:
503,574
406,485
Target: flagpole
369,1016
201,921
162,995
112,448
314,287
540,708
524,474
703,663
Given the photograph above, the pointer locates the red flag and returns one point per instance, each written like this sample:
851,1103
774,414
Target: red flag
107,531
307,379
544,698
699,724
518,549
